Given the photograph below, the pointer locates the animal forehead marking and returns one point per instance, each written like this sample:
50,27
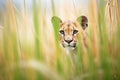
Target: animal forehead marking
68,24
67,28
69,21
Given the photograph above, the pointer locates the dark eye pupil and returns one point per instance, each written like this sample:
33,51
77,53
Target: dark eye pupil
61,31
75,31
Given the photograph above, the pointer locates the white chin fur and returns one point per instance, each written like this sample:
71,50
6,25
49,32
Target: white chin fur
69,49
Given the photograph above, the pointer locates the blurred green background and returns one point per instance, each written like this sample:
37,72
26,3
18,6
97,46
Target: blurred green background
29,42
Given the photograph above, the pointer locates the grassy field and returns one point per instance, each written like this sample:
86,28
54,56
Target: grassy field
30,48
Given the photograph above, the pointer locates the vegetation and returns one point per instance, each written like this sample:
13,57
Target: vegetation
30,48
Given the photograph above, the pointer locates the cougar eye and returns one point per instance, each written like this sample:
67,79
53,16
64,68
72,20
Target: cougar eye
61,31
75,31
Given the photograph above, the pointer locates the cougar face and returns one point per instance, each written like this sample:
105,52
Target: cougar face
68,31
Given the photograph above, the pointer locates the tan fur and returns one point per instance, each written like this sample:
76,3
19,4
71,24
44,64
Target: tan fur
69,33
68,28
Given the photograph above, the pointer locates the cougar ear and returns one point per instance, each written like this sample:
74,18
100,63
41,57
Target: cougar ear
56,19
83,21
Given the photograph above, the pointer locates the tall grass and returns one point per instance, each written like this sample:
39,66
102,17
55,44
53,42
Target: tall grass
30,48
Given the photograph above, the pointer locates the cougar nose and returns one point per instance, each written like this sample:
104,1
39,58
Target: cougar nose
68,41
